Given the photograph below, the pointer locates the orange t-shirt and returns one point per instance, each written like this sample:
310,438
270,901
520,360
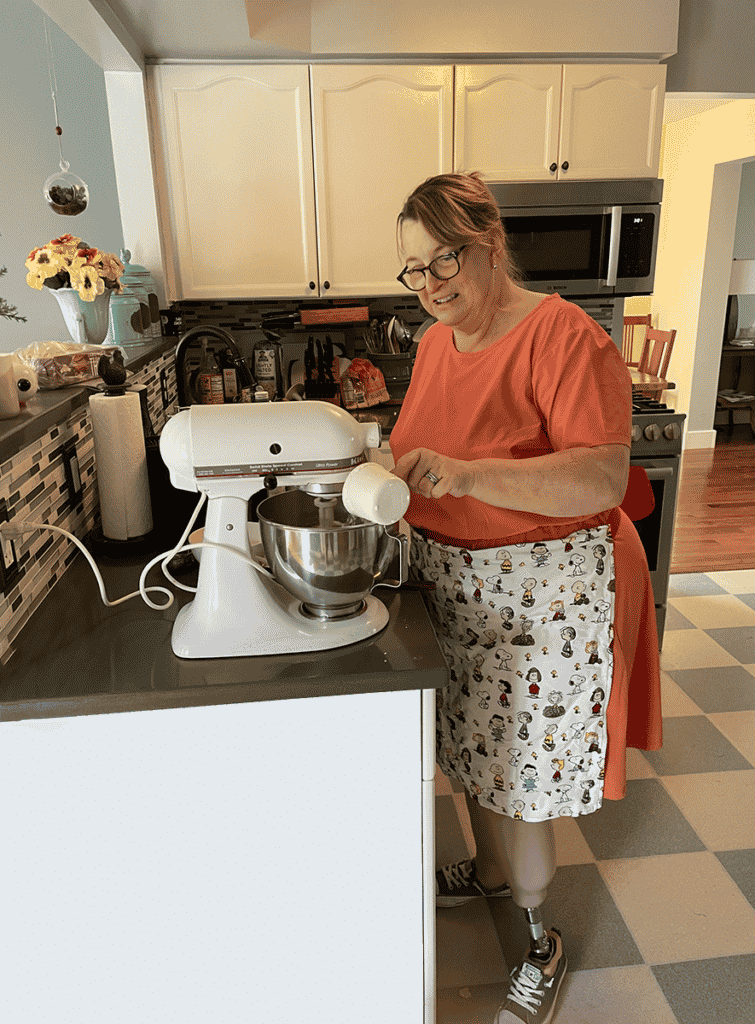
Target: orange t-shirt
555,381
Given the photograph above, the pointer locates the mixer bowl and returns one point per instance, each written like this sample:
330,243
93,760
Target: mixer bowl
330,568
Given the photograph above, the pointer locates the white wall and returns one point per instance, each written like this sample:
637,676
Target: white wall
701,165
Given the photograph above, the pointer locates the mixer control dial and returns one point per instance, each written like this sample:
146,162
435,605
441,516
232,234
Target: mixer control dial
672,432
653,432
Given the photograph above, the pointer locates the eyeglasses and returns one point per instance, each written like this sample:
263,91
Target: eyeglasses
443,267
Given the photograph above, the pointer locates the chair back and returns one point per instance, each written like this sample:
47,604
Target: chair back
634,327
656,353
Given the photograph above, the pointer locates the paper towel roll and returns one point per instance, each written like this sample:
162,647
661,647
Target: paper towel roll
121,459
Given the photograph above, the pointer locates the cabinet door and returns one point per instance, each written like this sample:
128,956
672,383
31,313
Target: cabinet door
507,119
237,180
611,118
378,132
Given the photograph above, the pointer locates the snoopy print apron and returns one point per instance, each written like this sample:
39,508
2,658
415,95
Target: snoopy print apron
527,632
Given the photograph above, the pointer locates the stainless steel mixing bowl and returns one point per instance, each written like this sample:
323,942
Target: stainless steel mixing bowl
330,568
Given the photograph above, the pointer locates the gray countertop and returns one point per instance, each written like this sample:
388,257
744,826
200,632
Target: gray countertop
78,657
50,407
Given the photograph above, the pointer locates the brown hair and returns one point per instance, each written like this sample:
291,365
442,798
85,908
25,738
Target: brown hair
457,209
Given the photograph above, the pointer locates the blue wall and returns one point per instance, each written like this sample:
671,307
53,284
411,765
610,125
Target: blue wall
29,155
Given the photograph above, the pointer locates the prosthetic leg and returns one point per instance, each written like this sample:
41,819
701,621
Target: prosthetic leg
523,853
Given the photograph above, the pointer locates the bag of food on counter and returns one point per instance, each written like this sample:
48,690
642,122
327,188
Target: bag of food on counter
363,385
60,364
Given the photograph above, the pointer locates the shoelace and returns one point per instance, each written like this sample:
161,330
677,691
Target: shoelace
525,990
457,875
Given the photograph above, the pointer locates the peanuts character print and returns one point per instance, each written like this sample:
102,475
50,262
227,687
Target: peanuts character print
527,632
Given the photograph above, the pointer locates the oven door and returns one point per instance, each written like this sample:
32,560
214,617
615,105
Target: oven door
657,530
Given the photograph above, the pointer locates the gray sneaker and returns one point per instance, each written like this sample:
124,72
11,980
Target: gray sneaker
458,883
534,987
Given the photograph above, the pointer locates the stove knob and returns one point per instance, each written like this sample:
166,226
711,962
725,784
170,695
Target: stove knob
636,432
653,432
672,432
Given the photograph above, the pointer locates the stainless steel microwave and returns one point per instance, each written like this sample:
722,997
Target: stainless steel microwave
583,238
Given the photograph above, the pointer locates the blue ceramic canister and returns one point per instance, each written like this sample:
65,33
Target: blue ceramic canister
140,279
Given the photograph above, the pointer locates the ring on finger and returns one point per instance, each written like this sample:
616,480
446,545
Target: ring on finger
432,477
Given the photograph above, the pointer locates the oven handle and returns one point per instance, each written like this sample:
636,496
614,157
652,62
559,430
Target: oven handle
613,246
655,472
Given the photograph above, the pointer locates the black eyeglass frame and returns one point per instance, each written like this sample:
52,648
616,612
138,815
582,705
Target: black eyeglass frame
444,255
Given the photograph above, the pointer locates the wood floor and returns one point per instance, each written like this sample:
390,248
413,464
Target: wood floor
715,512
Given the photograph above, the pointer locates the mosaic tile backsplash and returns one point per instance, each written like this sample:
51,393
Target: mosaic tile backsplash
33,483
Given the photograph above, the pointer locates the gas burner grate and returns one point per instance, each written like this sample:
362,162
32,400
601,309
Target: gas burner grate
649,405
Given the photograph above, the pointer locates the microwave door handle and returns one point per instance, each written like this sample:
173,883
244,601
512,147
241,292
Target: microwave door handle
613,246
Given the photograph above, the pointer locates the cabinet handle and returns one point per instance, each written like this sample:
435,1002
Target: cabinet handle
565,165
326,284
553,168
312,285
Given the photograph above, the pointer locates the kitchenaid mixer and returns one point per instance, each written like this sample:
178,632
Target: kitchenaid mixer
325,554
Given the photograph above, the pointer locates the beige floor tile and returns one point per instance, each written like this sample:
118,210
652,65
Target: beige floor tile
467,948
714,611
739,581
739,729
720,807
571,847
638,766
674,701
750,669
621,995
692,648
681,907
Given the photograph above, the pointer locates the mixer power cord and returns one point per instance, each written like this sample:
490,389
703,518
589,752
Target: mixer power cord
11,530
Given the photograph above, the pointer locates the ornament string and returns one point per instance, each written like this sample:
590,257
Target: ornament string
52,77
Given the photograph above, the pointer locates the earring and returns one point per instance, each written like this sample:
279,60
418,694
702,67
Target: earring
495,266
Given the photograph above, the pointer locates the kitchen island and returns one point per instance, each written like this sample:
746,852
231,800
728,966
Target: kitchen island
220,840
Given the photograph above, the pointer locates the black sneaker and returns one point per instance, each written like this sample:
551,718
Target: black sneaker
457,883
534,987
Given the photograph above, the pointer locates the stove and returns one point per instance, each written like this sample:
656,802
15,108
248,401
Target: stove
657,432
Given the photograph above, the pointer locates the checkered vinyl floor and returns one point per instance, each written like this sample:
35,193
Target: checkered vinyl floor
654,894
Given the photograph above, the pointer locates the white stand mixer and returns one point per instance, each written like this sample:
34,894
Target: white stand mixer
229,452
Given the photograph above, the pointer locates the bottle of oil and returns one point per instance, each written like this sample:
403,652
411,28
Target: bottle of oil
209,386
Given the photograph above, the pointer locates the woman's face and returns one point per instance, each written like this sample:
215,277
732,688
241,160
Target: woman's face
465,301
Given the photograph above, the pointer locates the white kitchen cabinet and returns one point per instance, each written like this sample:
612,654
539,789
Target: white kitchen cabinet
540,122
378,132
242,213
233,149
226,863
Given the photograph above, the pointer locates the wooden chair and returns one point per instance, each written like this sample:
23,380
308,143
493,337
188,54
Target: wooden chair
656,353
628,337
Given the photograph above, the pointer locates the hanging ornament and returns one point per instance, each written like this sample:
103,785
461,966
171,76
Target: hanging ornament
64,192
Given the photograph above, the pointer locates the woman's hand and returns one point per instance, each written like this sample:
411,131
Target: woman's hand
454,477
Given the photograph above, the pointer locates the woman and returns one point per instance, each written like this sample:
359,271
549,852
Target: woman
514,439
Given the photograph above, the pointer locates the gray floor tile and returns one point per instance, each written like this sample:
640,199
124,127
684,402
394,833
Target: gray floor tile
646,823
741,866
675,620
581,907
739,641
693,745
692,584
726,688
720,991
749,599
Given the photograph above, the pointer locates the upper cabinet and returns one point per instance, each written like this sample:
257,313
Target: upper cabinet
235,181
266,195
545,122
378,131
285,181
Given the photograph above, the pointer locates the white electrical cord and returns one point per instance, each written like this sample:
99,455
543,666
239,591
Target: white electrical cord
19,529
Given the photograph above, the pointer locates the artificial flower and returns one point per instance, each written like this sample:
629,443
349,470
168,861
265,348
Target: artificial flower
67,262
43,263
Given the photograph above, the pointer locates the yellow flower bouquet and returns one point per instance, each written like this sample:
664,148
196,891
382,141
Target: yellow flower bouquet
67,262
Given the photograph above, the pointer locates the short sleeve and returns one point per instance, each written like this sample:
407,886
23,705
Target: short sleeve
581,384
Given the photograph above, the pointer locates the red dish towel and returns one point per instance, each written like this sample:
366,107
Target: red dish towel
638,501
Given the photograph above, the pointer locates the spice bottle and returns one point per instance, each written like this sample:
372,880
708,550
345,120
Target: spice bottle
267,364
